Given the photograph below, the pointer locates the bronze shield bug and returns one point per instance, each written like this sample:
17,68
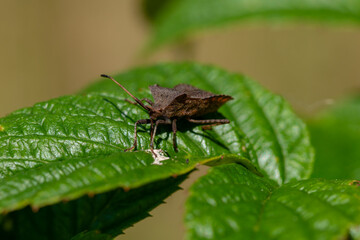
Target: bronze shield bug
171,104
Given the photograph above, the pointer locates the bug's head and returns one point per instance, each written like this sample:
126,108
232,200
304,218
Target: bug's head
155,114
147,108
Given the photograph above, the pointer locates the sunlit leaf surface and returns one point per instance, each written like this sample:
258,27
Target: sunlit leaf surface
232,203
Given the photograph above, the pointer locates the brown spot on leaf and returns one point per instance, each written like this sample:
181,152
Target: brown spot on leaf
35,209
1,128
126,189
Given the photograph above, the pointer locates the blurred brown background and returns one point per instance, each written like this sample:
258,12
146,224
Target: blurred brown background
52,48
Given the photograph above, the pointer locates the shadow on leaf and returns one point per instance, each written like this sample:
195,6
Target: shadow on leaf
106,215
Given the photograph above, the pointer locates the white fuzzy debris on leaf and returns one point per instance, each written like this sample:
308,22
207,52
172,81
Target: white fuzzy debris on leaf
158,157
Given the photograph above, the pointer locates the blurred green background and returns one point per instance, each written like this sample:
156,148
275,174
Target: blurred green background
53,48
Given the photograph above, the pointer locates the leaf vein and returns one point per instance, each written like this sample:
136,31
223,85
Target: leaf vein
271,127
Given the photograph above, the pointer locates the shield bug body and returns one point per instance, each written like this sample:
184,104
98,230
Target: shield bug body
170,104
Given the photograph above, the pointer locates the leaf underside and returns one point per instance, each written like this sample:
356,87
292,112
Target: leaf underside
184,17
232,203
70,146
103,216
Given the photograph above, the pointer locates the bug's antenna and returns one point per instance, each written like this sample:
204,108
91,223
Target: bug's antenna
135,98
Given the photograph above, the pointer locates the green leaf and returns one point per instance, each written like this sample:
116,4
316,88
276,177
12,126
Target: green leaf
188,16
335,135
64,148
101,216
232,203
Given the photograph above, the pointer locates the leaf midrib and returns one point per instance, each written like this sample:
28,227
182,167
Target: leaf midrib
278,145
257,105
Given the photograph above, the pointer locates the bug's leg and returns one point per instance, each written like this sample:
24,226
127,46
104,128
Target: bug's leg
152,136
151,127
141,121
160,121
174,134
148,101
129,101
209,121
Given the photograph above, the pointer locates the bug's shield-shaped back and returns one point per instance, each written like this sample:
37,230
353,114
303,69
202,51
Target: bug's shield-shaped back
163,96
186,101
193,107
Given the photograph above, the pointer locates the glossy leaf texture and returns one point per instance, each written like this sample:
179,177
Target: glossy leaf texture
101,216
232,203
185,17
67,147
335,134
